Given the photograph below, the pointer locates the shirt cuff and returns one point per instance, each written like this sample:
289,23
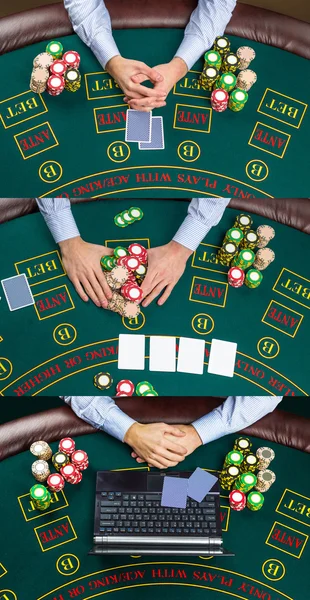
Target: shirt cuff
104,48
210,427
191,49
191,233
62,224
117,423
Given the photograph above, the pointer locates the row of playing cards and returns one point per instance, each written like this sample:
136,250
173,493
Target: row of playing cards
163,355
142,127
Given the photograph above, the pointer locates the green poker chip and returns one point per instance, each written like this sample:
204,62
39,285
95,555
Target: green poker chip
150,393
135,213
127,218
118,220
144,386
120,252
107,263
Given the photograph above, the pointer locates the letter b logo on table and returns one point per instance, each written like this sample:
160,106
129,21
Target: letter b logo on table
67,564
202,324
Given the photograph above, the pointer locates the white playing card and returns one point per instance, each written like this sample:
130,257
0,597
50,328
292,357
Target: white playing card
162,353
138,126
222,358
17,292
191,356
131,351
157,141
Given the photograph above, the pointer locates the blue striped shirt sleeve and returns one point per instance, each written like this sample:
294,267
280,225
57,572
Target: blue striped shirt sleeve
236,413
91,21
203,213
102,413
59,218
207,21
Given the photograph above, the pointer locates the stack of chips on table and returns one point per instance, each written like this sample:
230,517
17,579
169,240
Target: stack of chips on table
218,75
125,272
54,70
68,463
237,252
238,475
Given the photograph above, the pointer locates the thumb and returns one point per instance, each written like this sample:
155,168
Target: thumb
151,73
175,431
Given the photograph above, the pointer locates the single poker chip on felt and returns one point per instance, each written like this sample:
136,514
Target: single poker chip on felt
125,386
135,213
103,381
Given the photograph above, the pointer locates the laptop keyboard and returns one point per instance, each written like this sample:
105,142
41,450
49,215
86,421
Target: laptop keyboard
142,514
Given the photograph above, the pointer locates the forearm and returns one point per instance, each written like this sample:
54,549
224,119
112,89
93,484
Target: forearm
102,413
235,414
207,21
203,213
91,21
59,218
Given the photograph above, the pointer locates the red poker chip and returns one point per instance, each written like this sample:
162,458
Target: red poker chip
55,482
131,263
125,386
136,250
69,472
120,261
80,459
55,83
72,59
119,394
67,445
135,294
58,67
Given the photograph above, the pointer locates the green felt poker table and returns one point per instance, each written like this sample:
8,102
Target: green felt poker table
74,145
58,345
45,555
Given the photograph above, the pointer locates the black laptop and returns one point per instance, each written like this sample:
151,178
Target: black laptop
129,518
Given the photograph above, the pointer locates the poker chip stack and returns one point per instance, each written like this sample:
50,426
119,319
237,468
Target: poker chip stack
220,73
237,100
246,79
263,258
238,475
230,63
265,457
55,482
40,470
235,277
60,459
128,217
243,222
250,240
237,251
71,474
237,500
219,100
80,460
245,55
244,259
68,463
125,278
40,497
265,235
54,71
265,479
41,450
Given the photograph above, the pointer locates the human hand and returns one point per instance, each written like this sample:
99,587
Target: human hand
171,73
82,263
191,441
123,70
166,264
158,444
